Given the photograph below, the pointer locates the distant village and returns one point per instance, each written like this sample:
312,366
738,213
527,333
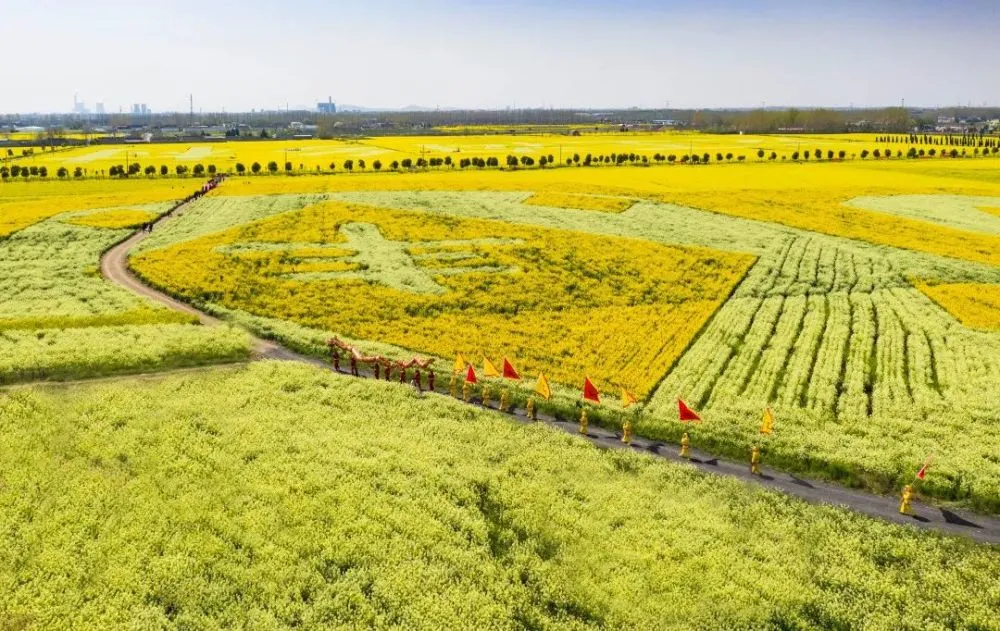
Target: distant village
140,124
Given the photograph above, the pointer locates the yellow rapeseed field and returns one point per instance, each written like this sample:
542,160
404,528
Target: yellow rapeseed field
24,204
564,303
581,202
976,305
113,219
312,155
825,212
809,197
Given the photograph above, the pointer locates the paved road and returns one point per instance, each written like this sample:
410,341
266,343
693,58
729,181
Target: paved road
114,267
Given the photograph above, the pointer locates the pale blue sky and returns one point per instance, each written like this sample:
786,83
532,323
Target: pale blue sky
391,53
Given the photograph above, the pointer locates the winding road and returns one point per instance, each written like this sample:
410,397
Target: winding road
114,268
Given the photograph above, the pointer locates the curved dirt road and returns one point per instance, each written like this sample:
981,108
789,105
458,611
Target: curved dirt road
114,267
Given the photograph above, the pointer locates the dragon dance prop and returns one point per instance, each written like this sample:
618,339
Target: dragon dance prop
336,344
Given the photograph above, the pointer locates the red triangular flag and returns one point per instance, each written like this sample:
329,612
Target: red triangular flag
508,370
590,393
686,414
470,375
923,470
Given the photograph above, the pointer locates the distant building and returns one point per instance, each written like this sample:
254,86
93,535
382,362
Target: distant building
99,108
204,130
327,108
78,107
140,109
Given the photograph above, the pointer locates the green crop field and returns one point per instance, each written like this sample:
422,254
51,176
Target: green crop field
277,496
60,320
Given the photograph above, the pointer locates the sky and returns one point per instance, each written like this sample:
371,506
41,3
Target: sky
257,54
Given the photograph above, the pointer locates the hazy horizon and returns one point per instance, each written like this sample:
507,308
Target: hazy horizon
492,55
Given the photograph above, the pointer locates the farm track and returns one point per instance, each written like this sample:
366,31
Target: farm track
114,268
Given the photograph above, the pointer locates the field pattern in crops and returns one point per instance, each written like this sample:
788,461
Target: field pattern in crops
619,310
954,211
861,366
829,331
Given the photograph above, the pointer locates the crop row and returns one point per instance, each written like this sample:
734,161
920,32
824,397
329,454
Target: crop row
866,349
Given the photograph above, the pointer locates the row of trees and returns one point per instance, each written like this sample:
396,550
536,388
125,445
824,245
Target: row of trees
24,153
135,169
952,140
19,171
119,170
510,162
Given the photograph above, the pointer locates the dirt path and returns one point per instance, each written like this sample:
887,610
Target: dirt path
114,267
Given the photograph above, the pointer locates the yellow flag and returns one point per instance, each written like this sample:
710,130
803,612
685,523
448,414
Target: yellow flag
489,370
459,364
542,387
628,398
767,425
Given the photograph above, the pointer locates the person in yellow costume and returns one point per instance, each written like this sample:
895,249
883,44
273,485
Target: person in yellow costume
755,460
504,400
486,396
583,421
452,386
531,409
627,431
904,505
466,392
685,446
